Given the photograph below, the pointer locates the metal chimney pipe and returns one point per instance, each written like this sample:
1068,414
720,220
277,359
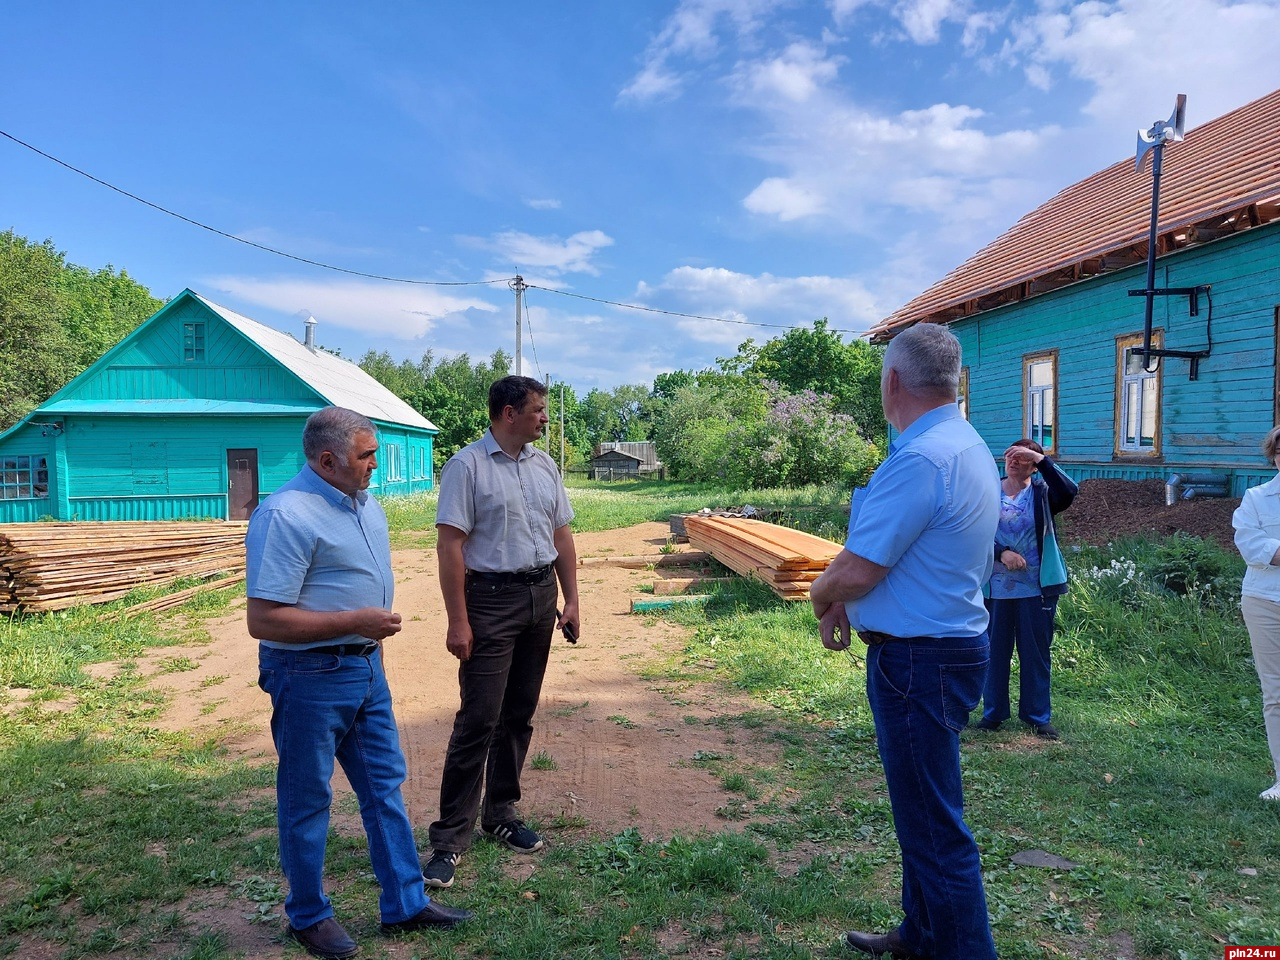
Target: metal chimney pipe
309,338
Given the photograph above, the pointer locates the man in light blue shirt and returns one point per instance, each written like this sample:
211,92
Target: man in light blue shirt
909,583
319,583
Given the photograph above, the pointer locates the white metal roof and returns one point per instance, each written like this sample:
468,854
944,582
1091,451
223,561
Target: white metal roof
339,381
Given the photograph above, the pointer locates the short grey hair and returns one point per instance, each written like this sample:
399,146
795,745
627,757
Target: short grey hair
333,429
1271,444
927,358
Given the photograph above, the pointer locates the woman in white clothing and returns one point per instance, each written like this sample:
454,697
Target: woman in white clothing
1257,526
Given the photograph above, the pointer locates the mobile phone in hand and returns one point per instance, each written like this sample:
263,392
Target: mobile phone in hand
570,634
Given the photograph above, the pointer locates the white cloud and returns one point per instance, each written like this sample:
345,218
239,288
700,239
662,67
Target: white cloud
397,310
784,301
784,199
545,204
1135,55
523,250
691,33
794,75
923,19
842,11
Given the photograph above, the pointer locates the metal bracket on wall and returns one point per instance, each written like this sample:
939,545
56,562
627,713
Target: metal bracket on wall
1193,309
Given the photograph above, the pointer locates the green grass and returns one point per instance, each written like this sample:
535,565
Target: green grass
821,510
110,830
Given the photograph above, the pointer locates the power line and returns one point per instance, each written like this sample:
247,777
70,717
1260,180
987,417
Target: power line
674,313
376,276
250,243
528,322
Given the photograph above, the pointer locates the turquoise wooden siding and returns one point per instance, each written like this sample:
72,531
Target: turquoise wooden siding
113,458
30,440
1213,424
151,367
173,467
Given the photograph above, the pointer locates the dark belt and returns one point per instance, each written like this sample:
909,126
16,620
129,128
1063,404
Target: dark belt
346,649
873,638
536,575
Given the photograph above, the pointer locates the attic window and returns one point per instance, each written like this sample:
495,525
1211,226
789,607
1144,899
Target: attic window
193,343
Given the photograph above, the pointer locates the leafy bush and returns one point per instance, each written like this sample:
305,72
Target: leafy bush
1190,566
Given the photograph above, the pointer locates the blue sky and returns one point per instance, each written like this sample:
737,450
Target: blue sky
760,161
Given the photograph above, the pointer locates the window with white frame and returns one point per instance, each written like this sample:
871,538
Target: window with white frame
1040,398
962,394
1137,398
393,466
24,478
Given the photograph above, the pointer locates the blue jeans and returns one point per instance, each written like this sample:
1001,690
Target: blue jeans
921,692
1025,623
326,707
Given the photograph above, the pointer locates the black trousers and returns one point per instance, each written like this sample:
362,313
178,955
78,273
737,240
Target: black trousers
511,625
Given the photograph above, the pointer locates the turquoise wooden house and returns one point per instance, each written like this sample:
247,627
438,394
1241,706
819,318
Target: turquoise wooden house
1052,336
197,413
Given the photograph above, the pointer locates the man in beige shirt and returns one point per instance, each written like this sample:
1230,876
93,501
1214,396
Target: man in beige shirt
504,539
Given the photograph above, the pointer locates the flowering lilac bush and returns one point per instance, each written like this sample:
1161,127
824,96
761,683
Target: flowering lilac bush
799,440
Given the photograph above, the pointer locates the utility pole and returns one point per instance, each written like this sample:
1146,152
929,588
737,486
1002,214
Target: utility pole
546,382
562,428
518,286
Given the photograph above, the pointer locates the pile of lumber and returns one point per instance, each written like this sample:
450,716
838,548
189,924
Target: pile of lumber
52,566
785,559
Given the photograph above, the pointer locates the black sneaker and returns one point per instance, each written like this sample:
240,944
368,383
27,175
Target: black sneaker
515,835
439,869
985,724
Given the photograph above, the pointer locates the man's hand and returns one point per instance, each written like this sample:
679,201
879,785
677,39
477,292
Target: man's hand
376,623
833,628
569,616
1013,560
459,639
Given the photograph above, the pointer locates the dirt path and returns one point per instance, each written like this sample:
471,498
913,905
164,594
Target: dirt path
621,748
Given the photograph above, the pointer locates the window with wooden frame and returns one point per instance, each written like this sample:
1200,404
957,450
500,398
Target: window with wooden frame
193,343
1138,390
24,477
1275,360
1040,398
962,394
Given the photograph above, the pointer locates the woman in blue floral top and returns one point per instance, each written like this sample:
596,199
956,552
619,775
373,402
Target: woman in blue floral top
1028,577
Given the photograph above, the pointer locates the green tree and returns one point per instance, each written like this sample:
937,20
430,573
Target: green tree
55,319
692,431
452,393
618,416
819,360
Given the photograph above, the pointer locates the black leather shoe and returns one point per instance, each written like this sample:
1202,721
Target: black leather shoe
432,915
985,724
878,944
325,939
1046,731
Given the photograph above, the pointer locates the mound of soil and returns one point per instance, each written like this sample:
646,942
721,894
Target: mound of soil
1105,510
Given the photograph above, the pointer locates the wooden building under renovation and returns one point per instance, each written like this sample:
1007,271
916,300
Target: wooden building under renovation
197,413
1051,329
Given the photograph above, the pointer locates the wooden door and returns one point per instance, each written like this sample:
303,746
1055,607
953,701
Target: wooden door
242,483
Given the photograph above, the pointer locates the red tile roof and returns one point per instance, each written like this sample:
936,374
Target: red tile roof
1223,178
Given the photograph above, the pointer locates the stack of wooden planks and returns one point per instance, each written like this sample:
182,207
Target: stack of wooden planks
52,566
785,559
